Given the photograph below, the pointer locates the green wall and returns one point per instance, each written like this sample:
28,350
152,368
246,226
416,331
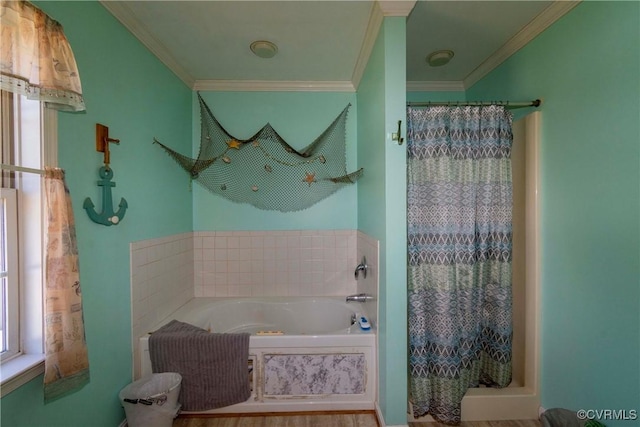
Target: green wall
299,117
586,68
371,145
435,96
129,90
382,205
371,188
393,303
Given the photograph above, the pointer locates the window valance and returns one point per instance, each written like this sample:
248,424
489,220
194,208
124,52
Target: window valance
36,58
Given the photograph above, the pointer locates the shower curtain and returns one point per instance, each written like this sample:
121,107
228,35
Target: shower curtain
459,197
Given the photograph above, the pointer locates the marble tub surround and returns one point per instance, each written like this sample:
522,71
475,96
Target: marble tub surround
275,263
314,374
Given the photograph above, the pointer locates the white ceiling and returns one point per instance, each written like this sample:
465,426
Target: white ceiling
472,29
325,44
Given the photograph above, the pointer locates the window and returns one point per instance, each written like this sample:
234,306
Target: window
9,332
24,144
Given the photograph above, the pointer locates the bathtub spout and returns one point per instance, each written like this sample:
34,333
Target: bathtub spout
359,298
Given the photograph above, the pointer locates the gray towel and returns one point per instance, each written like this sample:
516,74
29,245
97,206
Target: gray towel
213,366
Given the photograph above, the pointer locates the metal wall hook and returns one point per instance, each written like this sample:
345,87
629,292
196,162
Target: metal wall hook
398,136
362,267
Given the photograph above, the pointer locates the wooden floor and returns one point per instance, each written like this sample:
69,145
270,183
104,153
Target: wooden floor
514,423
325,420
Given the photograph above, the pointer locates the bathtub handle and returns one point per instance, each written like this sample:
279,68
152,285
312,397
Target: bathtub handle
362,267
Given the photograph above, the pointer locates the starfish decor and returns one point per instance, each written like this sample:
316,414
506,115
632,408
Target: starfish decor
309,178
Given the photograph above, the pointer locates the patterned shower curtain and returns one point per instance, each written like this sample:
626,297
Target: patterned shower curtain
66,366
459,196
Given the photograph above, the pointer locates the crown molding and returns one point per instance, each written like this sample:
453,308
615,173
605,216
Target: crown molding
373,28
127,18
435,86
540,23
273,86
396,7
379,10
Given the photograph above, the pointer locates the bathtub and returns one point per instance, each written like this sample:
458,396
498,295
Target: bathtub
305,354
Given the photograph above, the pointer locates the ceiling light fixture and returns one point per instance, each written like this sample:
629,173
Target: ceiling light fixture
264,49
439,58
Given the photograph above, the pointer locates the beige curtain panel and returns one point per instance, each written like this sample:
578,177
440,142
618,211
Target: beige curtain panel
37,61
66,357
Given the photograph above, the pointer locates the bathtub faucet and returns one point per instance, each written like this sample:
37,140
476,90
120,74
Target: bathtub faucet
359,298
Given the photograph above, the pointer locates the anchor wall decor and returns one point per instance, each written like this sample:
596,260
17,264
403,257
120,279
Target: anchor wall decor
107,217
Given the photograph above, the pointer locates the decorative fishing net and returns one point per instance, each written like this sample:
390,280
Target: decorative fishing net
264,170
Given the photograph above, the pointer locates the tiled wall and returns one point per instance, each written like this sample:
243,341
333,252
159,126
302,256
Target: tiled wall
161,281
275,263
168,272
369,248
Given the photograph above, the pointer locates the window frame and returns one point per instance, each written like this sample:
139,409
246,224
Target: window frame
29,362
11,328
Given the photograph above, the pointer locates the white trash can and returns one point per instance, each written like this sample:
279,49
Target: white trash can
152,401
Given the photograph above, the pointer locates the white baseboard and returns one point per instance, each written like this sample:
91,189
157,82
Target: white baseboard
380,418
379,415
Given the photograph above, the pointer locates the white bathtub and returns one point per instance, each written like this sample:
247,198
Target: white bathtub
314,335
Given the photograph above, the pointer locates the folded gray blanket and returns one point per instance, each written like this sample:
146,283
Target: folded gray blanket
213,366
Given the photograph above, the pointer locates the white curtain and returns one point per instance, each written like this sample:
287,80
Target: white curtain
37,61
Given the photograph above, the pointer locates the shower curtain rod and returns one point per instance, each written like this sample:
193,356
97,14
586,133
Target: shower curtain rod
21,169
507,104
